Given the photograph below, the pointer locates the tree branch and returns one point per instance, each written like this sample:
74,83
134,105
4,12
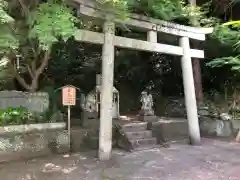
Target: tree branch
30,71
27,13
18,77
44,63
33,66
24,8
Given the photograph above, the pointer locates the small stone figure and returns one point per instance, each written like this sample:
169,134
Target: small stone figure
147,104
90,102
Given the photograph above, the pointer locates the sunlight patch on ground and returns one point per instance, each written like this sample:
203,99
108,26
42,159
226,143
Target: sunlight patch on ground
50,167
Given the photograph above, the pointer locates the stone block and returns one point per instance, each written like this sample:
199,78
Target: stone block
170,130
135,127
136,143
148,118
139,134
58,142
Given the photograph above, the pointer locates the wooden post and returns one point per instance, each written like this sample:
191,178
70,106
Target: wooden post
69,128
69,99
105,134
189,91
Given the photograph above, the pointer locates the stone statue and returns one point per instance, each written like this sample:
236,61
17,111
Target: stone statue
90,103
147,104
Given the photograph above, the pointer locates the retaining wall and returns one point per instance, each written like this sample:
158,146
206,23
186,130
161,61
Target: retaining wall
28,141
37,102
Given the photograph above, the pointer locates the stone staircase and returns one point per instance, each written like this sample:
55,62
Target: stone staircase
136,136
132,134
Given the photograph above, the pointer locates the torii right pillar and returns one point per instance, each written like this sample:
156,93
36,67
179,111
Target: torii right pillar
189,92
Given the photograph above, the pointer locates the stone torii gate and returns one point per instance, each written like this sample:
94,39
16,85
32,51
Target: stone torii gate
88,9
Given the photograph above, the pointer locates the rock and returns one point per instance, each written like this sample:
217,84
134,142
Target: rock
216,127
175,108
236,108
49,168
203,110
225,116
224,128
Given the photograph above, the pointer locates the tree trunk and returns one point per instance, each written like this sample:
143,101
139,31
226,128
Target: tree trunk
34,85
33,72
197,75
196,67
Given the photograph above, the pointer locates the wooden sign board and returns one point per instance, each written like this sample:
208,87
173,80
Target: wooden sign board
69,96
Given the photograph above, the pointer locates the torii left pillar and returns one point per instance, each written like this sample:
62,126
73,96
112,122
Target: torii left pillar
105,132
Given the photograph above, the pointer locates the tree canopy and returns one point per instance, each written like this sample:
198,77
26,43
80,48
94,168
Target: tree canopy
169,10
28,31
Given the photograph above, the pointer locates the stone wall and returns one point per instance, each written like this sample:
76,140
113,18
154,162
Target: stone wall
28,141
37,102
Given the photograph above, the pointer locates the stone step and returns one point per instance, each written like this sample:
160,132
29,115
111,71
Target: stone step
139,135
139,126
151,147
136,143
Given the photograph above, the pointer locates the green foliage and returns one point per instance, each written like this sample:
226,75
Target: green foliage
119,7
161,9
7,40
198,15
169,10
4,16
234,23
29,29
233,62
8,43
5,75
18,116
51,21
48,23
53,113
226,35
230,37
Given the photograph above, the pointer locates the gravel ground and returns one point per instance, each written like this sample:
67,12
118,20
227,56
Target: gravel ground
213,160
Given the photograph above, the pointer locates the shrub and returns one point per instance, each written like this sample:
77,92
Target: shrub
18,115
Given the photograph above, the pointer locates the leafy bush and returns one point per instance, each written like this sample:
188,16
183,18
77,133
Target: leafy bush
54,112
228,34
18,115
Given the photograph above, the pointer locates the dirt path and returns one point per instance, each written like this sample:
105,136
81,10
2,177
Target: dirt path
213,160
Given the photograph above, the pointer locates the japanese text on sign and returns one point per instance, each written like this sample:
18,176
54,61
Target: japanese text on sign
69,96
